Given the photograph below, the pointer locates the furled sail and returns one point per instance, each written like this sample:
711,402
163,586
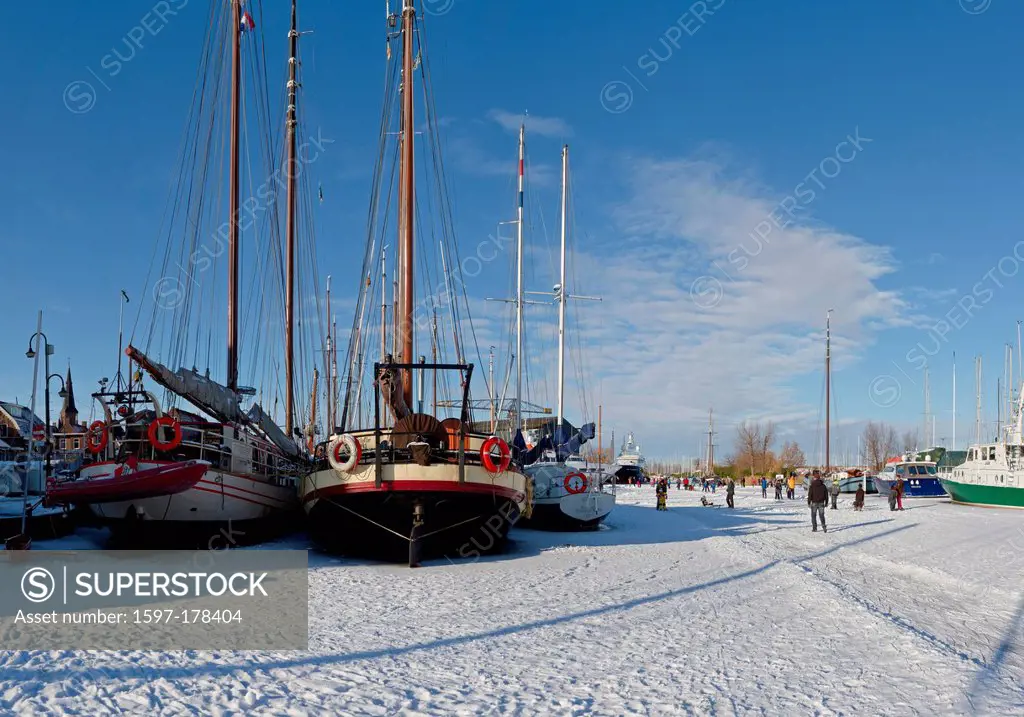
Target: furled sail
272,431
565,441
217,400
213,398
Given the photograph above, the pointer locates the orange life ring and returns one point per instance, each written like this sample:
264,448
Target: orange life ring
505,455
96,437
568,483
154,434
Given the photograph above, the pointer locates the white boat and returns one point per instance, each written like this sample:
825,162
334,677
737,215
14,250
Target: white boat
993,473
564,497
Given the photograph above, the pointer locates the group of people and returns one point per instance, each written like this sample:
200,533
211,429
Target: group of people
708,485
778,484
818,495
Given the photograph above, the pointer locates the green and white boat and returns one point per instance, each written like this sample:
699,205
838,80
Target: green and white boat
993,474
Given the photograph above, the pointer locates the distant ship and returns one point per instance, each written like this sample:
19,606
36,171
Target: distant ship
631,463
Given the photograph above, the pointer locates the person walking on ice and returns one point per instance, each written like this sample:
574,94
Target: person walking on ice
834,492
764,487
817,495
730,492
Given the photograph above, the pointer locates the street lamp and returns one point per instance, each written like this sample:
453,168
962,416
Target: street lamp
47,353
62,393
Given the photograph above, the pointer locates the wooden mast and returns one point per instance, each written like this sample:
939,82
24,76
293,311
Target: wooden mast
289,306
236,81
407,201
828,388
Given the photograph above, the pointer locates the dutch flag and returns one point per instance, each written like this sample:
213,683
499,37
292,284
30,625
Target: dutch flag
247,21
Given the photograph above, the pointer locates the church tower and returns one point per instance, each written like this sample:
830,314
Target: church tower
68,412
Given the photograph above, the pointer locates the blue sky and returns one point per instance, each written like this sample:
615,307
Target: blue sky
689,129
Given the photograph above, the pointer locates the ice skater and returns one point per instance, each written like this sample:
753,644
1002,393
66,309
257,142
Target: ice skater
834,492
730,492
764,487
899,493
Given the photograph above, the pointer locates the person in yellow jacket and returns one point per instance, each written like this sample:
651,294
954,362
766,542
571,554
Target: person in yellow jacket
791,487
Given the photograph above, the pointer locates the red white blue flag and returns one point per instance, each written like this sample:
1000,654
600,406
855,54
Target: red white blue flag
247,22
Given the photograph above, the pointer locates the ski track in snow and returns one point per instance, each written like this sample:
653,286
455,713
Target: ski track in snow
692,611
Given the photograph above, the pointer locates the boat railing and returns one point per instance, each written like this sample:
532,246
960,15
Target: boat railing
466,375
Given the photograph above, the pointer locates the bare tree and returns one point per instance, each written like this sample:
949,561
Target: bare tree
791,457
911,441
753,450
748,446
765,447
880,442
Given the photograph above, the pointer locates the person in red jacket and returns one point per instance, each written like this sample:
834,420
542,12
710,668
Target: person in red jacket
817,496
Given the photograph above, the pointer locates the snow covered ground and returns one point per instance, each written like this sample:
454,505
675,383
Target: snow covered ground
693,611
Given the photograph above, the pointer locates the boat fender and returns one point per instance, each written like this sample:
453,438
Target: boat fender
487,456
96,437
571,486
154,434
355,454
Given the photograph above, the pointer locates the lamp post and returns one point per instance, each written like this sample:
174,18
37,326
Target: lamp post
47,352
62,393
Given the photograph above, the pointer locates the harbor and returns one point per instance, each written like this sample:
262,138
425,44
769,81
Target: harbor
690,611
518,396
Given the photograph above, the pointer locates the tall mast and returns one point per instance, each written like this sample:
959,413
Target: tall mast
1020,358
927,408
236,81
383,302
407,200
519,285
329,408
561,292
710,467
334,374
828,387
977,384
490,384
289,305
953,445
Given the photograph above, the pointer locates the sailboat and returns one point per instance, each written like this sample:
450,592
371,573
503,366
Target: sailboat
564,497
404,483
993,473
195,459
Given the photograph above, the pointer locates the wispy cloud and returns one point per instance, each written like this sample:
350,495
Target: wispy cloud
554,127
470,158
664,358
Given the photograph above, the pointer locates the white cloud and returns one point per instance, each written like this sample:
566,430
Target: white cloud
471,159
554,127
663,359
